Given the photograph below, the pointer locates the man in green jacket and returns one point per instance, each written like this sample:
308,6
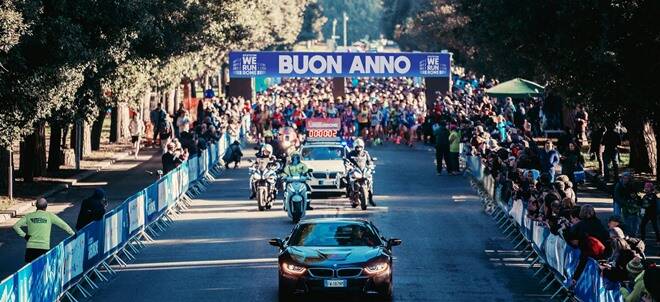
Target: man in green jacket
454,149
38,225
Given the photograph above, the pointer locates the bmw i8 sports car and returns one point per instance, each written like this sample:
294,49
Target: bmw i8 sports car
335,255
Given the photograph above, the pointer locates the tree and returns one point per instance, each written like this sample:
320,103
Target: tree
588,52
313,21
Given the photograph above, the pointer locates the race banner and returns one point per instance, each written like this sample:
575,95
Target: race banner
338,64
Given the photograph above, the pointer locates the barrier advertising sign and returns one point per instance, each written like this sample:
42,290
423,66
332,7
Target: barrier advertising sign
337,64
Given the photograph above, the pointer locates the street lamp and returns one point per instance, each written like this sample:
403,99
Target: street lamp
345,28
334,29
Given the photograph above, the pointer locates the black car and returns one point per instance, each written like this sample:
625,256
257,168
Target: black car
335,255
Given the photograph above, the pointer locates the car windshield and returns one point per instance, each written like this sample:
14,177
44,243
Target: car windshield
323,153
334,234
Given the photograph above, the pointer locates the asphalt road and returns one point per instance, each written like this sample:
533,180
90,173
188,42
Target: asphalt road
218,250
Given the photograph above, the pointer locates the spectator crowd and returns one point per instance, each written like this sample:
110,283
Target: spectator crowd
505,135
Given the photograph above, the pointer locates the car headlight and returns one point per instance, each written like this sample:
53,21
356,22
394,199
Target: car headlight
293,269
376,268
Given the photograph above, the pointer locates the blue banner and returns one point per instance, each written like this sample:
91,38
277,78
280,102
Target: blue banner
93,244
152,203
337,64
42,279
136,212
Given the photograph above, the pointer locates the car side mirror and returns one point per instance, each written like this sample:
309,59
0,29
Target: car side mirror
310,170
393,242
276,242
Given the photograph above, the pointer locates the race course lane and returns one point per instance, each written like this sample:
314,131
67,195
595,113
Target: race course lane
218,250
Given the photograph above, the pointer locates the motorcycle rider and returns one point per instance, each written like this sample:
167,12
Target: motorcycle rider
359,152
266,152
296,168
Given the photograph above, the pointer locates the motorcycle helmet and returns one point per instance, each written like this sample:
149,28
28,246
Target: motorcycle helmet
295,158
358,145
267,150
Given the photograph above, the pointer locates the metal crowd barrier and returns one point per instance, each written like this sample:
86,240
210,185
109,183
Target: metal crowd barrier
553,260
75,266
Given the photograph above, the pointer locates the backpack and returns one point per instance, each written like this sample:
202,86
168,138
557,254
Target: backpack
636,245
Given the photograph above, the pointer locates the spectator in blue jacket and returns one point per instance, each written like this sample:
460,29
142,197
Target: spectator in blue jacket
549,158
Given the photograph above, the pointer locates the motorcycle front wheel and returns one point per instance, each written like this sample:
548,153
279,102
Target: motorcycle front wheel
364,194
262,198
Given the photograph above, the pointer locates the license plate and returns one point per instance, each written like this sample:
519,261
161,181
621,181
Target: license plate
335,283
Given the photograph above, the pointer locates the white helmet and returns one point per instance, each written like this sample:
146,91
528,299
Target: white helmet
268,148
358,143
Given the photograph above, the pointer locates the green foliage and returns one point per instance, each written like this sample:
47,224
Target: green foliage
590,52
364,19
313,21
68,59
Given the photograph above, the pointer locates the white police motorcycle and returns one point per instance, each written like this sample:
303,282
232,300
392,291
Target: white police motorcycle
360,186
263,178
296,196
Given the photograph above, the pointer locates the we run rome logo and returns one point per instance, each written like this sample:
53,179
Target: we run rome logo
432,66
247,65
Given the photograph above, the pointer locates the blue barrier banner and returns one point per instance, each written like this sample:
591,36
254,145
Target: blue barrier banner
8,289
41,281
163,194
209,159
94,237
550,249
193,165
571,260
539,233
201,164
113,230
185,180
136,212
337,64
152,202
74,258
174,186
587,287
214,153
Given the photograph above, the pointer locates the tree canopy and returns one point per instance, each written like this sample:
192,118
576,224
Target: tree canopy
68,59
590,52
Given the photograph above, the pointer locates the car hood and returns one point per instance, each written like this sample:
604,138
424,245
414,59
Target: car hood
321,256
325,165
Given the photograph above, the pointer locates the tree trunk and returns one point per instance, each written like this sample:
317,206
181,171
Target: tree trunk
643,149
5,163
55,159
170,96
65,133
657,151
114,127
97,130
86,139
123,120
33,154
